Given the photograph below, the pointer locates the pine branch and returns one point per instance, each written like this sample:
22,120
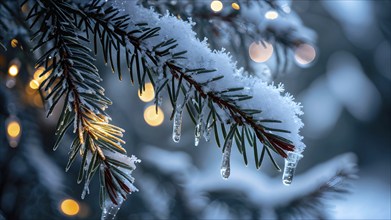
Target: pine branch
72,76
110,26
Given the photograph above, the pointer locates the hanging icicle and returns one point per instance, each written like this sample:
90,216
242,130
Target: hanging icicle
290,167
207,131
177,127
198,131
226,162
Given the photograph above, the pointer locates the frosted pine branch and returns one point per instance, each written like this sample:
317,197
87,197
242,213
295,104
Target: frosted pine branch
71,75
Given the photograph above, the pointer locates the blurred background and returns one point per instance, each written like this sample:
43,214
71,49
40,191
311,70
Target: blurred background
343,83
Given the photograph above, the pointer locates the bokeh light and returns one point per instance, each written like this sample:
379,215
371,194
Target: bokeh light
13,129
271,15
216,6
305,54
148,94
235,6
34,84
260,53
14,43
152,118
13,70
70,207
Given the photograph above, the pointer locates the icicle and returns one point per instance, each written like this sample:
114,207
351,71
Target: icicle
198,131
110,210
86,189
225,164
290,167
208,128
200,125
176,128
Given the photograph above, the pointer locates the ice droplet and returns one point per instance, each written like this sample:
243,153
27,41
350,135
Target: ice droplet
176,128
110,210
290,167
226,162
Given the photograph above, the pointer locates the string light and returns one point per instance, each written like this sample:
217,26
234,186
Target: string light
14,43
216,6
34,84
271,15
305,54
14,130
260,53
152,118
13,70
70,207
148,94
235,6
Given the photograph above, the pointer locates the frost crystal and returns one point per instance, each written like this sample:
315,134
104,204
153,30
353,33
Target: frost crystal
290,167
225,164
110,210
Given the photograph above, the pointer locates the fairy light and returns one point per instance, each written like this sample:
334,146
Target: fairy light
216,6
13,70
148,94
14,43
235,6
34,84
260,53
271,15
152,118
14,131
305,54
70,207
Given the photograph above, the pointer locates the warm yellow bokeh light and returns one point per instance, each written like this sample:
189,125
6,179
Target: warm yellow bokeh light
70,207
216,6
260,53
34,84
148,94
14,43
305,54
271,15
13,129
152,118
235,6
13,70
38,72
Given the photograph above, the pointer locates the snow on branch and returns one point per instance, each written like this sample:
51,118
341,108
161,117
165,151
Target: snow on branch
268,98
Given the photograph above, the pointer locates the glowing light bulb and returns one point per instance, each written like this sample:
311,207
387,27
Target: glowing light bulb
271,15
235,6
259,53
305,54
216,6
14,43
152,118
70,207
148,94
34,84
14,130
13,70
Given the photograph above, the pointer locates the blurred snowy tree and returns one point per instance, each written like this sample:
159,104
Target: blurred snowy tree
162,54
